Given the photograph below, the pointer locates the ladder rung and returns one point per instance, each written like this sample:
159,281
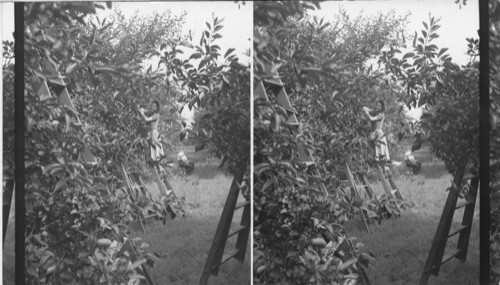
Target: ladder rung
459,229
449,256
241,204
462,204
237,230
229,255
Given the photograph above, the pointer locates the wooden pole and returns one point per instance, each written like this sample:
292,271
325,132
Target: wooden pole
19,146
484,142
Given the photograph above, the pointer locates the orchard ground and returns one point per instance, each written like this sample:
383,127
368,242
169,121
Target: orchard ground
183,243
401,245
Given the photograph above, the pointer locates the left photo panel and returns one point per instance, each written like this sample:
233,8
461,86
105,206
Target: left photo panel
137,143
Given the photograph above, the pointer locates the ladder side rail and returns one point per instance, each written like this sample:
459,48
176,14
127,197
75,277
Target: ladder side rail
130,190
463,238
242,240
161,187
128,185
394,186
381,209
352,183
227,218
458,180
367,187
382,178
433,262
354,186
216,252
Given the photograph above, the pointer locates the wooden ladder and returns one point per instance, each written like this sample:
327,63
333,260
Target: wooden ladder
436,257
382,210
277,87
356,187
163,185
130,190
388,183
216,256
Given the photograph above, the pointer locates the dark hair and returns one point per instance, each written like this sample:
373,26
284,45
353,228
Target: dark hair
383,105
157,105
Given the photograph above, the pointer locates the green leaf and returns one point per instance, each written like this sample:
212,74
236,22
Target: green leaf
106,69
318,242
442,51
275,68
47,169
66,276
195,56
434,36
60,184
51,269
259,168
268,184
138,263
228,52
408,55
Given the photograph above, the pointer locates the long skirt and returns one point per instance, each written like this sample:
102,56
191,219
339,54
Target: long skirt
381,146
155,147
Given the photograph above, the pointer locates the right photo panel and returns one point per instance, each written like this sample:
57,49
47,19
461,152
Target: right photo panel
366,142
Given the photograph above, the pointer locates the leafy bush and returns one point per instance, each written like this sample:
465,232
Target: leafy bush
77,211
218,85
297,224
450,92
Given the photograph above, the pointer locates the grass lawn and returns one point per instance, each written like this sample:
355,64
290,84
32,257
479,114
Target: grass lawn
184,242
401,245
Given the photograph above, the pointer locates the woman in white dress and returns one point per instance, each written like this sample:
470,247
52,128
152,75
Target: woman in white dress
153,118
377,136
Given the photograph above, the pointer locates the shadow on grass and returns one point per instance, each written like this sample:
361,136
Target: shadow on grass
183,245
205,171
401,247
432,170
